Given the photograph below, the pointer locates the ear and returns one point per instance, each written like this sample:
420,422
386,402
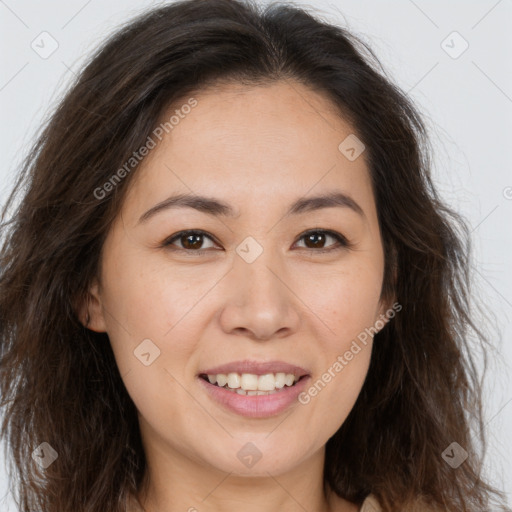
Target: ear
91,309
388,305
388,309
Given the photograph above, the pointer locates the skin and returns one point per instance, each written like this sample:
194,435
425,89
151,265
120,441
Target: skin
259,149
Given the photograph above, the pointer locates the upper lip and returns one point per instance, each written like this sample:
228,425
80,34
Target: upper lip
256,368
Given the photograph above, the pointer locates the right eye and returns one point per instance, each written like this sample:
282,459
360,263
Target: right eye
191,241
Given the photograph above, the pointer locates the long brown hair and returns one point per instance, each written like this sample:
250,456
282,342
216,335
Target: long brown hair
59,382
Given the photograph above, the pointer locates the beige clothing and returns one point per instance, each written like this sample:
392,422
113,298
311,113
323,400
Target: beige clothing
370,504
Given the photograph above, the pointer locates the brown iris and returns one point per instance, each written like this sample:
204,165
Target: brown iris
192,241
315,239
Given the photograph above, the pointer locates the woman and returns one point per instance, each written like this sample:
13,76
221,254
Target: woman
230,282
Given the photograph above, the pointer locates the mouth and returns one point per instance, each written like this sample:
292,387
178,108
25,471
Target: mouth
252,389
251,384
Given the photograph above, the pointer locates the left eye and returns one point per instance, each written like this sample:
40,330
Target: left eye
319,236
192,240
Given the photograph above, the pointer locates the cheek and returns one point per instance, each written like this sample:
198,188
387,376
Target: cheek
150,314
347,302
147,296
335,386
344,306
143,302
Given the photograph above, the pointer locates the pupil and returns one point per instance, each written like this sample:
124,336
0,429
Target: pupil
313,237
196,241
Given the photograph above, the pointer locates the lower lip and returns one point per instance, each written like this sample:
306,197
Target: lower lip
257,406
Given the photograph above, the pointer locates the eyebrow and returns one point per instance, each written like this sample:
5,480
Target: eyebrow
217,207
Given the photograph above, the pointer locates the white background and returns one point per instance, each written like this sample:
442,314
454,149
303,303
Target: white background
467,102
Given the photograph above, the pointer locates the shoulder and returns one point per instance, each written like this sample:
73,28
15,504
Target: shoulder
371,504
132,504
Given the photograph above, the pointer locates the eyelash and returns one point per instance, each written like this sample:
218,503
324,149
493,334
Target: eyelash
343,243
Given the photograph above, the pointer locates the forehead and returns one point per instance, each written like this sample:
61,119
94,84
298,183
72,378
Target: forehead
253,143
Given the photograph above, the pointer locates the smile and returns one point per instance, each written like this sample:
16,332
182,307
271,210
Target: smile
254,390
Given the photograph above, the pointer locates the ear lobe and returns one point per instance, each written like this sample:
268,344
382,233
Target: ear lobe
388,311
91,311
388,303
383,315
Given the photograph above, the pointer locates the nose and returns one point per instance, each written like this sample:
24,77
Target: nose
259,301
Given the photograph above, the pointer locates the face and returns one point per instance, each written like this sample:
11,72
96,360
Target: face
259,291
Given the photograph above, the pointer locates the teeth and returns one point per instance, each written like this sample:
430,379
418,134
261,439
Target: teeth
221,379
233,380
267,382
251,384
280,380
240,391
